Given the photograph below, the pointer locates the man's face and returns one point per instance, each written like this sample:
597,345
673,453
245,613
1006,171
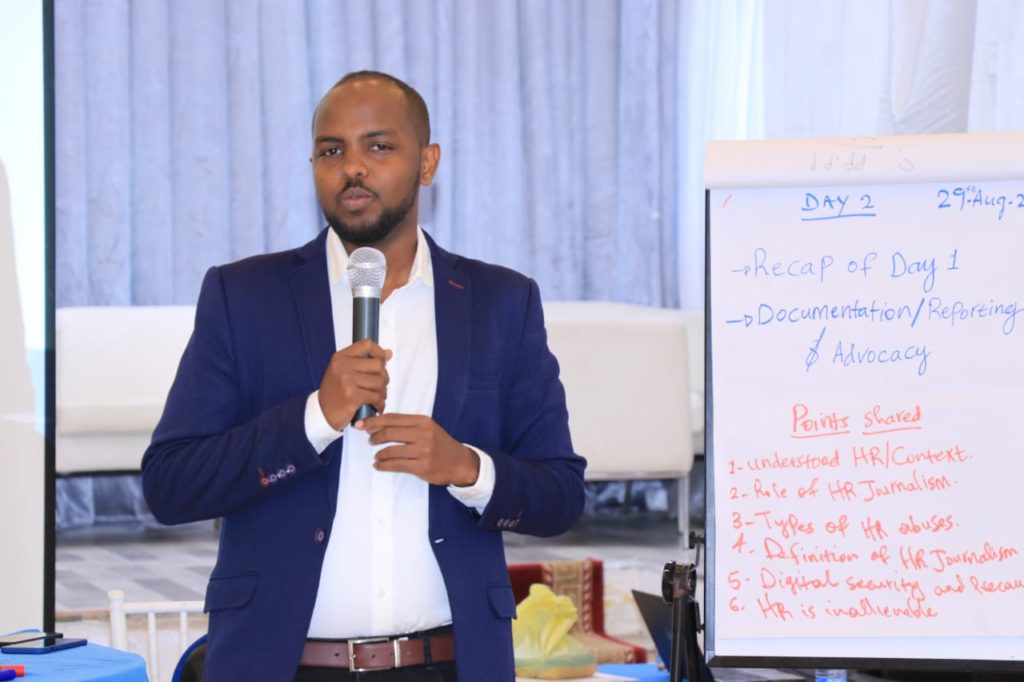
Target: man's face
368,162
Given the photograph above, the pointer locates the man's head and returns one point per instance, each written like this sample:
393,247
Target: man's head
371,152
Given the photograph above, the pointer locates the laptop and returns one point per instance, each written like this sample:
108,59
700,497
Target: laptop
657,617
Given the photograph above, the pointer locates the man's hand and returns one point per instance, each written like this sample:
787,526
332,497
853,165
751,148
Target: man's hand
355,376
422,448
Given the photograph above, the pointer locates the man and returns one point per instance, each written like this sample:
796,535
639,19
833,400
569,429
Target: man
388,529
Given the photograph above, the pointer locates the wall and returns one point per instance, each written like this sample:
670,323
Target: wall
22,316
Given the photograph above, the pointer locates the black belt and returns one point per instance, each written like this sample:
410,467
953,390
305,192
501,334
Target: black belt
379,653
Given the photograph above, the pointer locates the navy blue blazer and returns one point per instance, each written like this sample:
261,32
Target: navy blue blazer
231,444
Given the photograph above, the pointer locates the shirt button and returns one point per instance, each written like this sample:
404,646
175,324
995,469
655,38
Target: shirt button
381,592
319,536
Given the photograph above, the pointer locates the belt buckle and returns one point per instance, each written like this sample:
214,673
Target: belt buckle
372,640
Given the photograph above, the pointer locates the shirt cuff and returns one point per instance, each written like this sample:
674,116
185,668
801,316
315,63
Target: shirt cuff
318,431
478,494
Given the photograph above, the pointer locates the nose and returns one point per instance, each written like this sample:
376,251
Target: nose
353,165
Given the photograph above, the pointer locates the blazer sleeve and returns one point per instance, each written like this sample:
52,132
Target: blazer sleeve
209,457
538,488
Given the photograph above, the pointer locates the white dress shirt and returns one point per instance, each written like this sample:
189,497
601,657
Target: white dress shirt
379,575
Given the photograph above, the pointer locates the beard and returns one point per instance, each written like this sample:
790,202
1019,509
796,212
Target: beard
364,235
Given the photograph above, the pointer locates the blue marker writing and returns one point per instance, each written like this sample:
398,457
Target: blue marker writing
852,355
812,354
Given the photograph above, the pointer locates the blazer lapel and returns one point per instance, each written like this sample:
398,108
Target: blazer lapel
312,293
452,297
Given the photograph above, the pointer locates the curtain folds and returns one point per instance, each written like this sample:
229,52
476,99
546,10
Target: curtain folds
572,131
183,134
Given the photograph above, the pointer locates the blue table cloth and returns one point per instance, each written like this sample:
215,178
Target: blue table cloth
89,663
647,672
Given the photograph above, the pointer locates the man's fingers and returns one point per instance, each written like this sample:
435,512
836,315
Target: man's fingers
357,375
399,466
395,434
394,419
365,396
360,373
370,382
367,389
367,365
402,451
398,459
365,348
415,444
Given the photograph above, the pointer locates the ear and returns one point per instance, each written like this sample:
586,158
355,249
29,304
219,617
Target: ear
430,156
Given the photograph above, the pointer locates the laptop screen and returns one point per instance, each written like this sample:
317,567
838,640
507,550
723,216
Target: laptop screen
657,617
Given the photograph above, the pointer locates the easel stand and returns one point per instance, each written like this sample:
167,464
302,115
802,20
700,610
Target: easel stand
678,588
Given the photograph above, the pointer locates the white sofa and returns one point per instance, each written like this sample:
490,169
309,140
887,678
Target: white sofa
626,372
633,377
114,366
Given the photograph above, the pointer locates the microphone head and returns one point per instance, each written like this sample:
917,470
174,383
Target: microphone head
366,270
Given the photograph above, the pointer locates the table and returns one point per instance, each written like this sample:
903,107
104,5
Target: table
647,672
89,663
650,672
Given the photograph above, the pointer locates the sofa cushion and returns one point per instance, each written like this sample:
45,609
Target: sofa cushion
626,374
114,367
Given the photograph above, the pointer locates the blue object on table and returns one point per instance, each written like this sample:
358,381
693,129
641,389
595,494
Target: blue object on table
7,675
646,672
89,663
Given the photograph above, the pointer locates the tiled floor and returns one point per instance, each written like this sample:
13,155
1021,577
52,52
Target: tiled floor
147,563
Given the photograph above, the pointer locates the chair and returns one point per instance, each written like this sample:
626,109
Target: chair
180,668
120,610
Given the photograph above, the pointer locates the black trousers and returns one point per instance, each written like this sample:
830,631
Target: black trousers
439,672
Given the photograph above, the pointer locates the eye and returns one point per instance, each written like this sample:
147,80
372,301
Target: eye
380,147
329,151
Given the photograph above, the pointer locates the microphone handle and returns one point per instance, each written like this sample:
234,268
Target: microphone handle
365,325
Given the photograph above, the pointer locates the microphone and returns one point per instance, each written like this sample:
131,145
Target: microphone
366,270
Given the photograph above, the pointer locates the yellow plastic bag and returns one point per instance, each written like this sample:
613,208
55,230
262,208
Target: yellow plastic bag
540,635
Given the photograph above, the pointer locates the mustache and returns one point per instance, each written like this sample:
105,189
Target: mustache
356,183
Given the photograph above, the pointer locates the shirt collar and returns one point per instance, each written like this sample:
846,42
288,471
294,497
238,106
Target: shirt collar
337,260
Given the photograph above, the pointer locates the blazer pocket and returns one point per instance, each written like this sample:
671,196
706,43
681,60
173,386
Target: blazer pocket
230,591
502,600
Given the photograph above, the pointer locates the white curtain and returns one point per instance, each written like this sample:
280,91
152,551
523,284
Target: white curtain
183,135
573,131
723,100
899,67
870,67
